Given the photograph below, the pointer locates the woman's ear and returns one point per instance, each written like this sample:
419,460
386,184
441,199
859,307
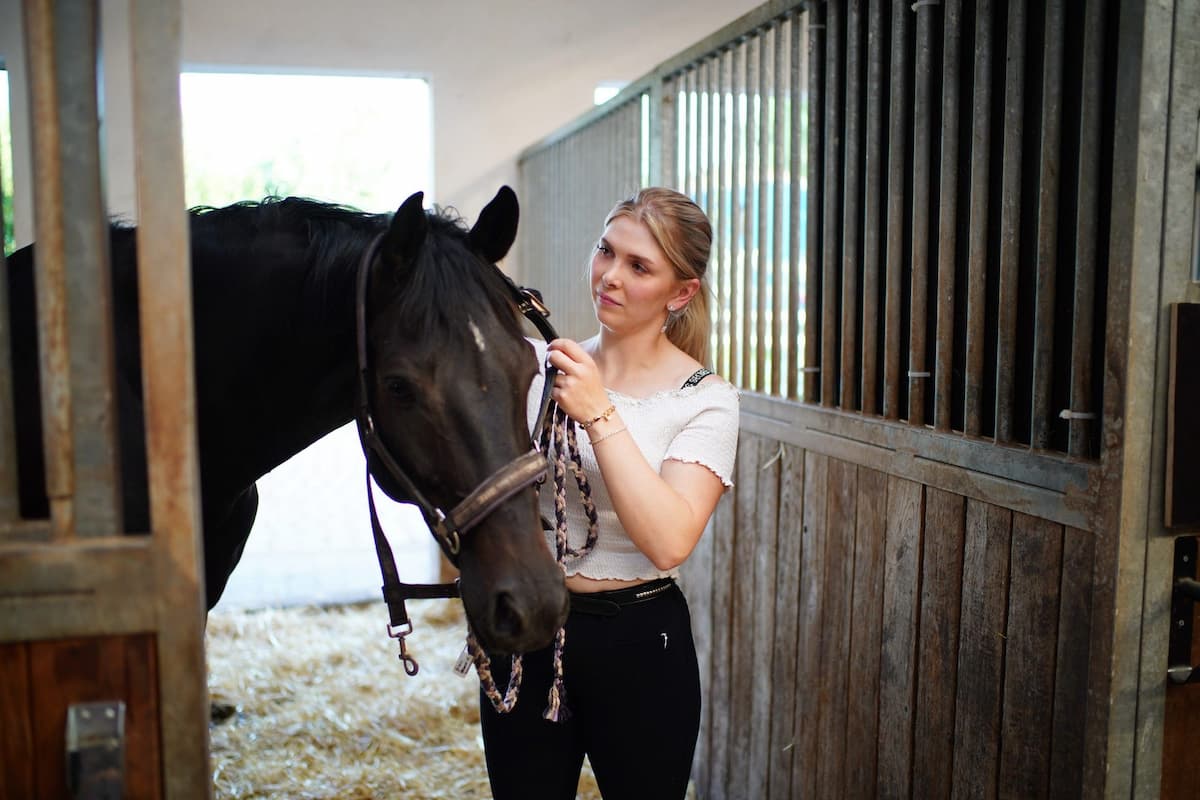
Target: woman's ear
684,294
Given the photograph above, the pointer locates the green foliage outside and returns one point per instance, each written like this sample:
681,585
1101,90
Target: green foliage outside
364,142
6,179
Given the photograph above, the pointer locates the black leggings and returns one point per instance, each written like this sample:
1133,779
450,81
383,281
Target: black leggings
632,696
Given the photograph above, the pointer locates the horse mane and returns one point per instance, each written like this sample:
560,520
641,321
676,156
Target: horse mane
431,300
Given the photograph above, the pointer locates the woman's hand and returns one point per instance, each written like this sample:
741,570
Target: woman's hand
578,388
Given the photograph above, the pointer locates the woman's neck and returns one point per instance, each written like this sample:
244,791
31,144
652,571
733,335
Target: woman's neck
636,364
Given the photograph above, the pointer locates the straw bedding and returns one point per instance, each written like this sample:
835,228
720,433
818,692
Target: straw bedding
319,706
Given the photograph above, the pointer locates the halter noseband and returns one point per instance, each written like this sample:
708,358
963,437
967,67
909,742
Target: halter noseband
447,527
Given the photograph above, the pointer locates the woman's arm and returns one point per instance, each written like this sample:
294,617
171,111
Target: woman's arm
663,512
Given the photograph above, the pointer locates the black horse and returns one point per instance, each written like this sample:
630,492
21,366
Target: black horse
274,286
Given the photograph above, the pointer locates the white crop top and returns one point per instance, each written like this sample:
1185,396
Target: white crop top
696,425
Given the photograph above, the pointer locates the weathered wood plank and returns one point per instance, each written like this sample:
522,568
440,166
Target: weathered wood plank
1030,643
835,628
716,707
745,543
144,777
897,678
981,651
765,527
789,555
808,639
898,653
1032,482
88,670
941,593
1072,665
862,715
16,723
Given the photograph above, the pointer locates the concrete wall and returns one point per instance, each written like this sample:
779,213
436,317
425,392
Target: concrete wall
503,73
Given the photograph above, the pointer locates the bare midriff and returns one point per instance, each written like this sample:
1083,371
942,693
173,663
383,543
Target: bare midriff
584,585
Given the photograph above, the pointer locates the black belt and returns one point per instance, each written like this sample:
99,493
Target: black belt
609,604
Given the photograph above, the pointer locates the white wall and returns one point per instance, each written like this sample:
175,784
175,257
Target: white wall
503,73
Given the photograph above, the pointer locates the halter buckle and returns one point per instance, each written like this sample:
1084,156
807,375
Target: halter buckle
532,302
447,535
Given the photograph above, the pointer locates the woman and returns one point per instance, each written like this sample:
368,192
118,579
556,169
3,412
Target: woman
661,432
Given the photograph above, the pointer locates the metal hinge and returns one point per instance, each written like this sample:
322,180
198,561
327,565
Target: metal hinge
1184,596
96,750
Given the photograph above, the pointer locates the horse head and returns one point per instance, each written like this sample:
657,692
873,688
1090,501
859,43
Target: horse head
446,379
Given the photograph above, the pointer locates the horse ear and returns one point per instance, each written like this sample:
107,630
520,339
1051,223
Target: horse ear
406,233
496,228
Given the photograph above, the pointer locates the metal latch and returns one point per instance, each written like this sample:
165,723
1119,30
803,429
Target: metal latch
1184,596
96,750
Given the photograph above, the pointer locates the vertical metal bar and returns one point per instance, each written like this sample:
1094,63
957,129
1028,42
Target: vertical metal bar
918,314
851,209
716,268
750,344
74,295
166,309
1087,211
832,207
1010,219
10,509
815,200
897,146
1047,243
728,203
737,240
668,102
693,106
765,128
797,170
977,244
702,132
778,265
873,217
656,131
948,218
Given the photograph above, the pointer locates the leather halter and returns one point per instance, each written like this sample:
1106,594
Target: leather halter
447,527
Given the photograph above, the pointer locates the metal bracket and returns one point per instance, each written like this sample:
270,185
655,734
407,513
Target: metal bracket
96,750
1184,596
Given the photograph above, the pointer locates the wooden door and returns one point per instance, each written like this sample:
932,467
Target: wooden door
88,613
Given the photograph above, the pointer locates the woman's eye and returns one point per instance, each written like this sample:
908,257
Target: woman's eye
604,250
638,268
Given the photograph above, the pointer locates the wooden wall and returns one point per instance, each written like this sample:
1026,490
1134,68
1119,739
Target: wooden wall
39,681
866,635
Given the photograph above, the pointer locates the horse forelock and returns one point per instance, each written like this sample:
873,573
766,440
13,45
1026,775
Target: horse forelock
450,285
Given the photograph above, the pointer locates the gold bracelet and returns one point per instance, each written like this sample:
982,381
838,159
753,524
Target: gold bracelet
597,441
608,412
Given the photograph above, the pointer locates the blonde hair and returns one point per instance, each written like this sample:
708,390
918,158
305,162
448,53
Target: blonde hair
682,230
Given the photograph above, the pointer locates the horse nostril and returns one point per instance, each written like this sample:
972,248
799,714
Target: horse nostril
507,617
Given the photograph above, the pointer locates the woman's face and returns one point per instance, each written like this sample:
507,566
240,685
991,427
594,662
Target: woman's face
632,280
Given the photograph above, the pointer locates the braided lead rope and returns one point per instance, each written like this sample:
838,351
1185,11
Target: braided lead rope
575,464
483,667
557,429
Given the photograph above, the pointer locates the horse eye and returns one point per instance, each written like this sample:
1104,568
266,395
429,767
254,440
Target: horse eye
400,389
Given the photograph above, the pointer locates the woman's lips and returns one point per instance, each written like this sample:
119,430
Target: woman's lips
606,300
